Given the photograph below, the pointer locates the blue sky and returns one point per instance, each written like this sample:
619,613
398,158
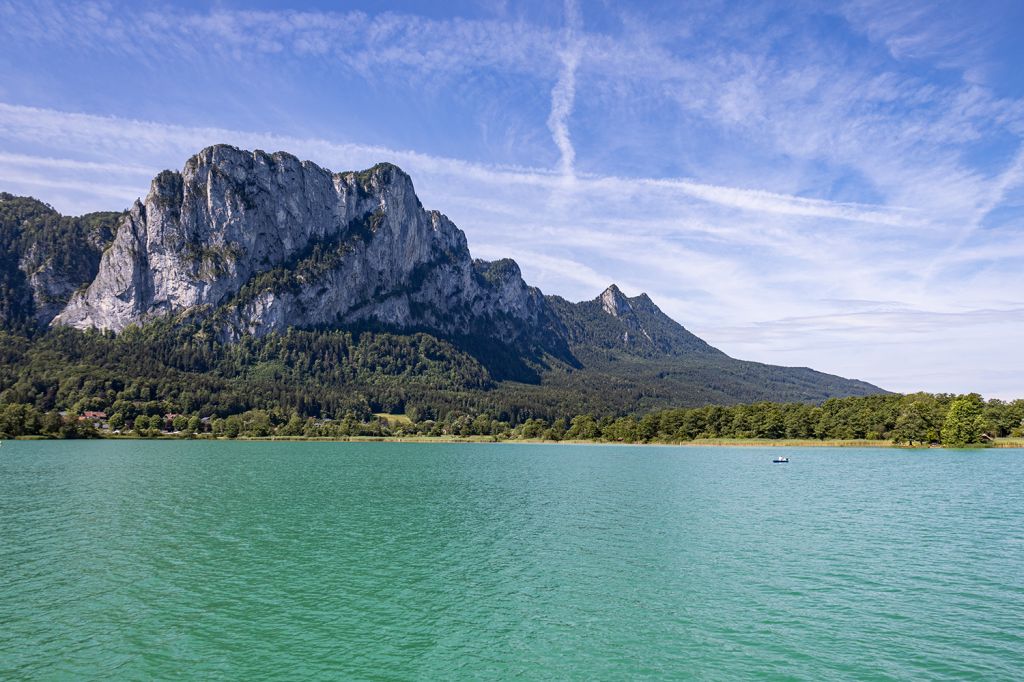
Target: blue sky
831,184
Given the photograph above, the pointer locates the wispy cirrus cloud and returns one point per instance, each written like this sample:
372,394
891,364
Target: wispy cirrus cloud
117,136
366,43
955,36
564,92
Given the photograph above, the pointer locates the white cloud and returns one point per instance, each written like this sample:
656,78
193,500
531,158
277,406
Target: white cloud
564,92
1010,178
29,161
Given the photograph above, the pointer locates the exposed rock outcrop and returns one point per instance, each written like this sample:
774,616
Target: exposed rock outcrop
614,302
45,257
261,242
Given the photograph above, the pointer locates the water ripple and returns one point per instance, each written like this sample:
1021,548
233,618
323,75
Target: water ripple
141,560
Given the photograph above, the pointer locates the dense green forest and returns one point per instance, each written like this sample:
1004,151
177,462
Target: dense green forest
175,376
179,366
915,419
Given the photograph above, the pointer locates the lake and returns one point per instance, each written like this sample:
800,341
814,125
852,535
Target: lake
152,559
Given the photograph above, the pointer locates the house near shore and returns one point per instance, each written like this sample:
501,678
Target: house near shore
97,417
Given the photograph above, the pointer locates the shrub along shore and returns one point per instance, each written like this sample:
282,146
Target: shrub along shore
916,420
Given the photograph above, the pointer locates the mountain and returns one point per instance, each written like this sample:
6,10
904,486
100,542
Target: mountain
241,248
263,242
635,325
634,354
45,257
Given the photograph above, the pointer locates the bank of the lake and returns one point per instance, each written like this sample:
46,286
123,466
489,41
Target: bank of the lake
137,559
1013,443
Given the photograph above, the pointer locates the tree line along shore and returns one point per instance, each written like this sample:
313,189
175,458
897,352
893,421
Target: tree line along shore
918,419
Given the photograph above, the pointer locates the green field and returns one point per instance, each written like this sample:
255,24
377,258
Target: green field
393,419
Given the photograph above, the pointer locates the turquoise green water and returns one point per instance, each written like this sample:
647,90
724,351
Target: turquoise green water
140,560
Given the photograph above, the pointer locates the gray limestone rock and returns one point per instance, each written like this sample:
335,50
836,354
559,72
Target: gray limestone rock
262,242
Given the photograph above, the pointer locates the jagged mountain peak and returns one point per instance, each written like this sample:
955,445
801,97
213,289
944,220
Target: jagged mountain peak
617,304
226,153
225,156
633,325
644,302
614,302
383,173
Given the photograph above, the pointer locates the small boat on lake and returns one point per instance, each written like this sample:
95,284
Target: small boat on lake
780,460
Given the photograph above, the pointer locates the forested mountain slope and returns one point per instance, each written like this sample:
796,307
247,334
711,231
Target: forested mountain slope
259,280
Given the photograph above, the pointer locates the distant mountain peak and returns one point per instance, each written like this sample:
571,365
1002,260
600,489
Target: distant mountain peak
643,301
614,302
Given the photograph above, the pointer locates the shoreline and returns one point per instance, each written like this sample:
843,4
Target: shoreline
1002,444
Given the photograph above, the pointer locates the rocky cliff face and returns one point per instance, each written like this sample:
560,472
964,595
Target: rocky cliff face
55,270
45,257
260,242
